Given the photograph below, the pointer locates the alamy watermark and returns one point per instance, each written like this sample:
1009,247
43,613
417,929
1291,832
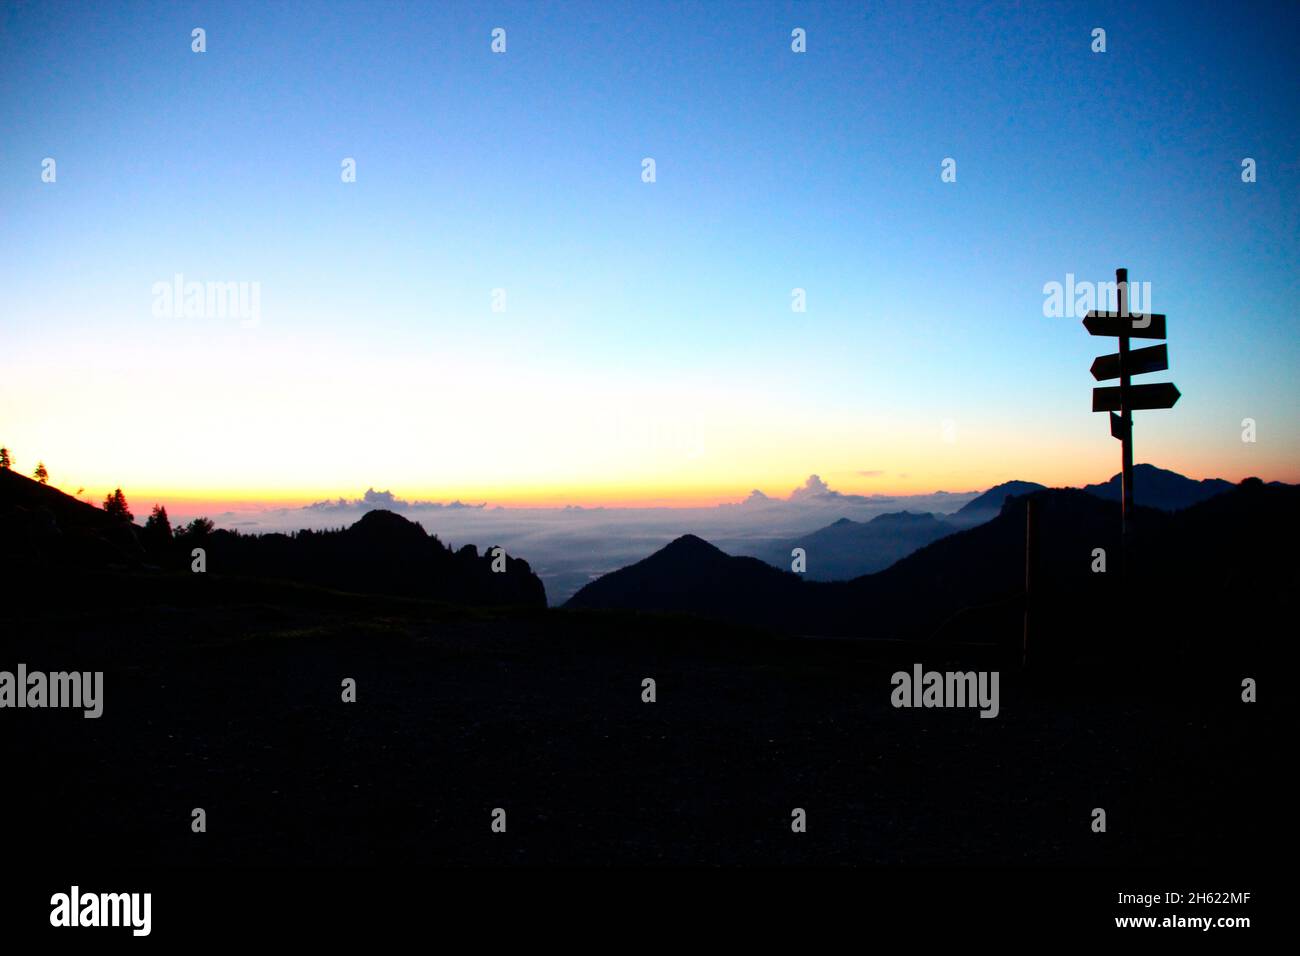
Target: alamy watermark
36,689
180,299
75,908
1076,299
922,688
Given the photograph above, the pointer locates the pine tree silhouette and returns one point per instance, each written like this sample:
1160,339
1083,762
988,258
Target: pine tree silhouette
115,504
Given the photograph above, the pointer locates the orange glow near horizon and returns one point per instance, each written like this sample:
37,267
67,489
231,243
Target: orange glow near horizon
246,434
623,495
693,478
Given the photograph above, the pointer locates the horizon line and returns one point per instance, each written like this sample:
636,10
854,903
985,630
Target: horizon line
554,501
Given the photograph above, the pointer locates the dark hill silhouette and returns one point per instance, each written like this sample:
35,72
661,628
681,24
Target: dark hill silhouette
980,566
848,549
43,527
376,529
988,505
983,568
691,575
227,686
1160,488
969,586
382,553
19,491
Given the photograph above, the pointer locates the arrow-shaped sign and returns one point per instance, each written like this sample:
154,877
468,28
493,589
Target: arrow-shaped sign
1118,427
1162,395
1137,326
1140,361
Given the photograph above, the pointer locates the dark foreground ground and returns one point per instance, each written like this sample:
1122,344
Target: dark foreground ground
225,695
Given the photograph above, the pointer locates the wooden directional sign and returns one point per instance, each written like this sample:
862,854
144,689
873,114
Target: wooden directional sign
1126,398
1133,325
1162,395
1119,427
1140,361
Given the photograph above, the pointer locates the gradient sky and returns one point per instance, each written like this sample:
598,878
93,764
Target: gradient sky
648,352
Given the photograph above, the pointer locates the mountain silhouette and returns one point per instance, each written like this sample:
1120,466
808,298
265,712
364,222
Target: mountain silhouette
984,568
969,586
1160,488
691,575
976,567
988,505
381,553
848,549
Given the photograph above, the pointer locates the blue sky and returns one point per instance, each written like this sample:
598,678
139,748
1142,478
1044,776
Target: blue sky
662,303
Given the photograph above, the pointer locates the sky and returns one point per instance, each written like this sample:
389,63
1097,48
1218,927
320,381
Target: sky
648,352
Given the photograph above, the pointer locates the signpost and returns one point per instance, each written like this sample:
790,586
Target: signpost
1135,326
1154,359
1139,396
1127,397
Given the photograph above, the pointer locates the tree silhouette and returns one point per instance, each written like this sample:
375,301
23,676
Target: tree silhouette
200,528
4,458
157,531
158,518
115,504
194,534
40,474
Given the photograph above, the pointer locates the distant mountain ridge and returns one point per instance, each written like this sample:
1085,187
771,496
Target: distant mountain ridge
987,505
970,584
847,549
1155,487
979,565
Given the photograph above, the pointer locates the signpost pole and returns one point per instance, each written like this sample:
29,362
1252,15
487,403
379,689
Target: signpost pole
1126,440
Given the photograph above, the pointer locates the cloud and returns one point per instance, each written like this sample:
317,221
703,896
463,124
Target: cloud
381,499
871,474
376,500
815,491
814,487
